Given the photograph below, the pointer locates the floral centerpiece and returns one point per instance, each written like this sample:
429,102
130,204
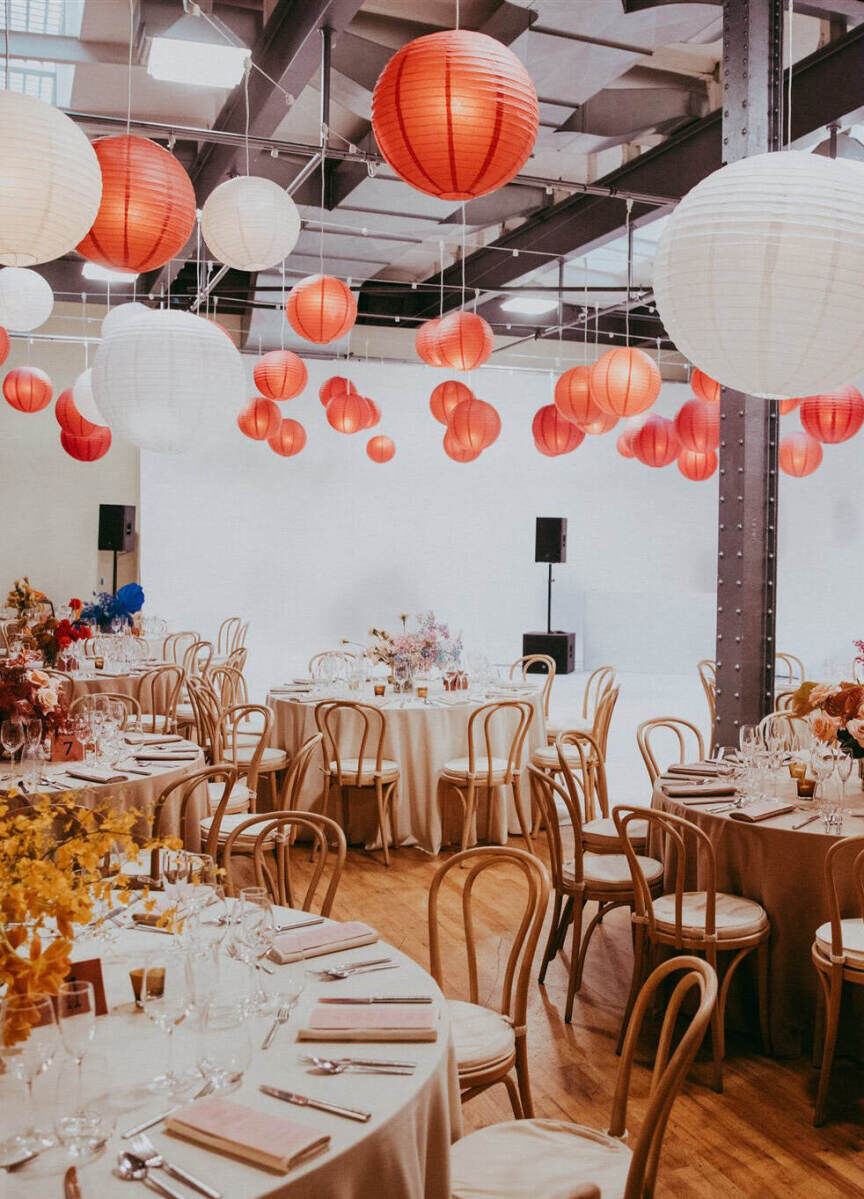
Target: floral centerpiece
835,713
26,692
25,600
431,646
53,637
105,608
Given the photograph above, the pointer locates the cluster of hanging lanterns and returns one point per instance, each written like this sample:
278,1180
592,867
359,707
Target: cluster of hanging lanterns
471,424
460,341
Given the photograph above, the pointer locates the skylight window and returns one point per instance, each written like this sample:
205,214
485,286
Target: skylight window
48,81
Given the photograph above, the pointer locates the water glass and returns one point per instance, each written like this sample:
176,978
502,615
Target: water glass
166,998
84,1109
28,1044
224,1043
11,738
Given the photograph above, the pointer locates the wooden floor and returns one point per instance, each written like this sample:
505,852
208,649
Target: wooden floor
756,1139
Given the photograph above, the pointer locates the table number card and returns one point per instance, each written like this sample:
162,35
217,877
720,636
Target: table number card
90,971
67,748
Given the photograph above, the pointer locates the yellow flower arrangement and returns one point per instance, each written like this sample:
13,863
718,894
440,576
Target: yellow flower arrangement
24,598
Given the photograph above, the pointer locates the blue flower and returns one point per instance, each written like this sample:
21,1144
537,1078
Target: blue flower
129,599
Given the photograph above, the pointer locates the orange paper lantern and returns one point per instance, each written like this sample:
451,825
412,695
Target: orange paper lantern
834,416
70,419
656,443
697,466
321,308
787,406
87,449
625,381
380,449
601,423
475,424
259,420
426,342
455,114
454,449
348,412
799,454
4,345
445,397
333,387
280,375
698,426
704,387
573,396
147,211
289,439
624,444
28,389
553,435
374,414
464,340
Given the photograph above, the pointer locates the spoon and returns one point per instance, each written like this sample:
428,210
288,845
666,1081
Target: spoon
132,1171
327,1065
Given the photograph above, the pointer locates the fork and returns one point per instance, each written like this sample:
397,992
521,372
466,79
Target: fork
282,1014
142,1148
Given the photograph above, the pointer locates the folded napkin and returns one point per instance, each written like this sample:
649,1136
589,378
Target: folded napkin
698,793
371,1022
153,738
259,1137
709,769
96,774
322,939
763,809
174,755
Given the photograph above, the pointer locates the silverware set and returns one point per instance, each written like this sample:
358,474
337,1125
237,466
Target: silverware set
281,1018
358,1065
335,973
350,1113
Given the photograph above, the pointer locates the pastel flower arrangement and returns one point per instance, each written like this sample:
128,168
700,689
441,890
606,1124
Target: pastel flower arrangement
25,599
25,692
431,646
835,713
105,608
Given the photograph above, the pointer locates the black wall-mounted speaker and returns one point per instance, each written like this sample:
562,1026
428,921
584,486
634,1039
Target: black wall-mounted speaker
117,527
550,544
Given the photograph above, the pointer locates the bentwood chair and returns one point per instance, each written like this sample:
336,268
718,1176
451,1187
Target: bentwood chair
838,955
789,671
490,1041
237,658
365,767
174,810
707,670
176,644
685,735
550,1159
245,735
705,921
580,878
225,636
546,757
523,667
197,658
597,686
275,855
209,735
158,695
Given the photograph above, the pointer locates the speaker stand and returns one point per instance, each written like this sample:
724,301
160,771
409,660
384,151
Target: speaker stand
114,577
549,601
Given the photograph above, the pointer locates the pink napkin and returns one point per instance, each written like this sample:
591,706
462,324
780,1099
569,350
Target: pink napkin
268,1140
371,1022
96,774
697,793
325,938
762,810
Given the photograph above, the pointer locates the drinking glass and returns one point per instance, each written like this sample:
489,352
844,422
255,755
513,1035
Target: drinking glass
822,765
224,1044
748,739
844,764
33,731
166,999
84,1111
26,1059
253,937
76,1013
11,738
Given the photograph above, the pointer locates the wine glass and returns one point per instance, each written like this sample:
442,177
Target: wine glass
76,1013
748,740
253,937
822,765
166,999
84,1123
224,1044
33,731
11,738
28,1043
844,764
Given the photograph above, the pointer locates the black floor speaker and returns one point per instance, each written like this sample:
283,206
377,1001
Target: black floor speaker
559,646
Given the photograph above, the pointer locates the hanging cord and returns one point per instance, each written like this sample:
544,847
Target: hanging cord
246,74
282,320
250,64
6,32
129,67
463,253
441,278
457,14
791,13
585,310
629,228
323,196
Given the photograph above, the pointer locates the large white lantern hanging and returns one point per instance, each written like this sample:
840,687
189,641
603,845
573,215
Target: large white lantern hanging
50,181
26,299
250,223
84,400
759,274
166,380
123,312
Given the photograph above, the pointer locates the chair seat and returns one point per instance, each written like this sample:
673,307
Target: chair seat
229,823
185,712
546,757
556,725
482,1037
458,768
238,800
852,933
148,723
537,1159
601,834
389,770
611,871
271,758
735,915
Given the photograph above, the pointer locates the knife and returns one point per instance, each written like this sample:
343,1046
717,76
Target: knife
284,928
376,999
71,1189
350,1113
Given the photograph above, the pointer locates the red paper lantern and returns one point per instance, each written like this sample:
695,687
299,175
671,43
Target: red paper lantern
259,419
374,414
147,211
698,426
455,114
333,387
799,454
280,375
834,416
348,412
321,308
553,435
599,424
455,450
475,424
380,449
87,449
426,342
28,389
447,396
656,443
624,443
704,387
4,345
70,419
464,340
289,439
697,466
787,406
573,396
625,381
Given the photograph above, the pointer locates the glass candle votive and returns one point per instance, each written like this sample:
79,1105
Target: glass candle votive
379,689
99,663
422,691
798,770
806,787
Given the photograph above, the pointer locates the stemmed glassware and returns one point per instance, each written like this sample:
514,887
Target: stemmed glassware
822,765
28,1044
76,1012
166,999
844,763
11,738
253,937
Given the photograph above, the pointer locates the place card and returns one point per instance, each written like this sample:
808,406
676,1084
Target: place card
66,748
90,971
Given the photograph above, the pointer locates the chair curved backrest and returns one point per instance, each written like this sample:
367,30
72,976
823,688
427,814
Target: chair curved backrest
784,700
590,791
226,634
603,719
176,644
295,776
230,731
849,847
341,656
228,684
676,725
524,664
275,835
237,659
207,711
707,669
544,789
791,670
197,658
239,641
129,702
486,718
371,724
476,862
670,1066
158,692
598,684
182,790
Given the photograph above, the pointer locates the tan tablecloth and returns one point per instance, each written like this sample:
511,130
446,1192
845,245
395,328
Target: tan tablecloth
98,683
783,869
403,1152
421,738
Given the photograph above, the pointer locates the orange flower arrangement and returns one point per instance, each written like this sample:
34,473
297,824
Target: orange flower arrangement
835,712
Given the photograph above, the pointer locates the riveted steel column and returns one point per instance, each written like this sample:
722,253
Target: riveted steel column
747,521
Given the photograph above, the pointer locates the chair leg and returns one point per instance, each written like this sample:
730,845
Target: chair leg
343,795
382,820
832,1019
818,1026
274,794
639,951
602,909
523,823
513,1092
523,1078
578,907
552,940
718,1025
564,924
762,965
468,814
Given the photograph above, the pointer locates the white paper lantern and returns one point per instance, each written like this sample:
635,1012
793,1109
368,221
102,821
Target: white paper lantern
84,400
759,274
250,223
50,181
168,380
26,299
123,312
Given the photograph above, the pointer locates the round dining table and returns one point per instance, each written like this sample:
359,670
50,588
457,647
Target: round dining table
782,868
402,1151
100,682
421,735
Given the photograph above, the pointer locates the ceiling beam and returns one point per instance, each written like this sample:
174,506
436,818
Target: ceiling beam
852,10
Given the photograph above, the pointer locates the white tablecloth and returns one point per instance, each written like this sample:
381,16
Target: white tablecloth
401,1153
421,738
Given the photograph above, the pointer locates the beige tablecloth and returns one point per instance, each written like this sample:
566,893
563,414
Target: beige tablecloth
421,738
402,1152
783,869
100,682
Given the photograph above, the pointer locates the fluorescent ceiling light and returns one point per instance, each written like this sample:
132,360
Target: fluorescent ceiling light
192,51
530,305
104,274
